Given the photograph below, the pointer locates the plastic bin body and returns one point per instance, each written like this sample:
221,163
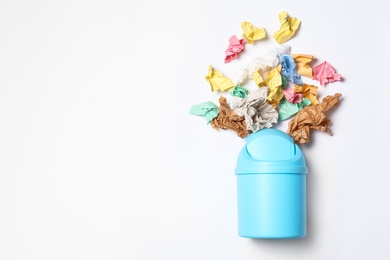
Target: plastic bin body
271,187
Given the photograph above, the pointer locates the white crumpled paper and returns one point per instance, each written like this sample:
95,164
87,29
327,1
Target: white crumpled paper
265,63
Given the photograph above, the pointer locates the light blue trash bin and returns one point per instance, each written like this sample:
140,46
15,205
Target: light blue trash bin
271,187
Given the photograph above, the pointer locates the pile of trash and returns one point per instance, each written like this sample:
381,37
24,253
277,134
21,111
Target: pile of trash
282,93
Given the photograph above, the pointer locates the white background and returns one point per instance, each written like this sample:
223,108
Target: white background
100,159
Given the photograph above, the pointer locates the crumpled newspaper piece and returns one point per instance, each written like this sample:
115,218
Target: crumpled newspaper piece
207,109
252,33
288,28
289,69
312,117
325,73
227,119
256,110
217,80
292,96
239,91
235,47
274,83
302,61
308,91
287,109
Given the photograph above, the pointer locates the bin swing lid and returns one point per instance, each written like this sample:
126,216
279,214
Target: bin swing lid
270,151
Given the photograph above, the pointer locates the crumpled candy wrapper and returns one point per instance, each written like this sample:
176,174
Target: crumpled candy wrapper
239,91
302,61
288,27
217,80
252,33
312,117
235,47
256,110
207,109
274,83
289,69
227,119
287,109
291,96
325,73
308,91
